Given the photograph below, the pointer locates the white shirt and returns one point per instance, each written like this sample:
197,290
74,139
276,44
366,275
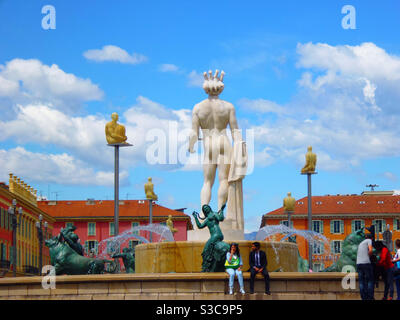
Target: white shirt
362,252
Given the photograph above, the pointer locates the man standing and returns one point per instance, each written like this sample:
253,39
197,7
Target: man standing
258,264
365,268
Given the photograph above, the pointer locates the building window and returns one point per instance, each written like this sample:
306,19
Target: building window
91,246
69,224
336,246
317,267
134,243
286,223
396,224
379,225
318,226
340,202
2,218
362,202
337,226
317,248
135,224
91,228
112,229
357,225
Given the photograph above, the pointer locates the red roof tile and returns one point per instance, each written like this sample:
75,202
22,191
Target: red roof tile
105,208
351,204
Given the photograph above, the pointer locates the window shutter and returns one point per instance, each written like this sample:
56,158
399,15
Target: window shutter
353,228
321,227
332,246
362,224
341,226
383,225
332,225
96,247
322,247
86,247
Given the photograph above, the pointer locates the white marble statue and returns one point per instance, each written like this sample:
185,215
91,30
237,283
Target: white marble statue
213,116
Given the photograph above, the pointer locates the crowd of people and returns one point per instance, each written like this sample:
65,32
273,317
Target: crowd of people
374,262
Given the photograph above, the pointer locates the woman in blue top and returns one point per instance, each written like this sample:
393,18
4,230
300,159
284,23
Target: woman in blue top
233,265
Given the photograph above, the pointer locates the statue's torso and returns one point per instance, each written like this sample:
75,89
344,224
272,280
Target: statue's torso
213,115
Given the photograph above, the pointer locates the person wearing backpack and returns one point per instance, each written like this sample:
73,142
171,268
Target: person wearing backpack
233,265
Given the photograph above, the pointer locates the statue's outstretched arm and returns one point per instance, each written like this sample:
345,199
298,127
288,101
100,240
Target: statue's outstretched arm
220,214
194,135
198,223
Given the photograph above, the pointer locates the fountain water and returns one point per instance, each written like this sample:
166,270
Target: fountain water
112,245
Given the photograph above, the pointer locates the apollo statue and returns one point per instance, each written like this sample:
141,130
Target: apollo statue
213,116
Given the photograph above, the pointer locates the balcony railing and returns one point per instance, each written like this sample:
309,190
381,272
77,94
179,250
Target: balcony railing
31,270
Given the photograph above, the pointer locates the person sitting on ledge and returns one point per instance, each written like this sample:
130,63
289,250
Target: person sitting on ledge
258,264
233,265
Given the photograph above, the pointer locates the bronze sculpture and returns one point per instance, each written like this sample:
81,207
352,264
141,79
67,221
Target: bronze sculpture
311,162
128,257
214,252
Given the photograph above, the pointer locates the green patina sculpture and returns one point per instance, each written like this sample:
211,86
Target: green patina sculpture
72,239
349,252
214,252
302,264
128,257
68,261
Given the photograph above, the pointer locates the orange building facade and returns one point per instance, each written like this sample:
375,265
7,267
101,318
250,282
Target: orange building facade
27,246
94,220
335,217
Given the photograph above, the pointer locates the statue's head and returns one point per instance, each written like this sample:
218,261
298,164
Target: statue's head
206,209
309,148
213,84
149,179
289,194
114,116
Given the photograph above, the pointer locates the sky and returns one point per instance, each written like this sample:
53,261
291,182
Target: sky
299,73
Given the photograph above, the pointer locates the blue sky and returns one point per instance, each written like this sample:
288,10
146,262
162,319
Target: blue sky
295,76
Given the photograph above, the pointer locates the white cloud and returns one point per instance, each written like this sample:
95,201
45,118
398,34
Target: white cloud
26,81
261,105
195,79
166,67
114,53
53,168
346,108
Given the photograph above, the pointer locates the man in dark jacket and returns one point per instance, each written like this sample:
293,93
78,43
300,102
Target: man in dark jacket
258,264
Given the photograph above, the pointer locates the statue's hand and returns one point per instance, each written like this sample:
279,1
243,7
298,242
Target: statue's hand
195,214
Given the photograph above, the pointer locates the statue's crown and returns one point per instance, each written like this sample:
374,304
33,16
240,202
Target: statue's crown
213,84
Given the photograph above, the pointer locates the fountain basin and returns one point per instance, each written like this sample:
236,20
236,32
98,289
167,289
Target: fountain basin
185,256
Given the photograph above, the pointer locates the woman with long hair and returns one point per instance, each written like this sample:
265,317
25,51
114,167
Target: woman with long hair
233,265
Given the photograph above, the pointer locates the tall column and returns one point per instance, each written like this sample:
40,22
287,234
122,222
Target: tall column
309,199
116,190
151,218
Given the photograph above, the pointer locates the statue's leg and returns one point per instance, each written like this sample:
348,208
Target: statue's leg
209,178
224,164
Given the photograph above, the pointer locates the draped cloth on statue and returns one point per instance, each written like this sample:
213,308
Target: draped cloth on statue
237,172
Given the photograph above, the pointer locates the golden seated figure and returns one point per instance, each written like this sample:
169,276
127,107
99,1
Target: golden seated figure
115,133
170,225
149,190
311,162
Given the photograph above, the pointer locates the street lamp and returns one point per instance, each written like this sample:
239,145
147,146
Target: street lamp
39,227
13,213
